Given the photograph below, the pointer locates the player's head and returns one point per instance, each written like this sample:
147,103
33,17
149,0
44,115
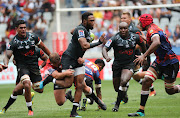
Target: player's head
123,29
126,17
100,64
88,20
21,28
145,20
55,59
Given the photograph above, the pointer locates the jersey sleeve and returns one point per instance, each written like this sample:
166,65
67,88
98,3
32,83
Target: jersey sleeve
151,32
109,43
80,33
37,40
139,40
11,46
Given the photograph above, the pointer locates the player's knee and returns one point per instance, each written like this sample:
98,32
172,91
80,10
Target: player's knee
25,78
146,82
123,82
60,103
169,91
68,85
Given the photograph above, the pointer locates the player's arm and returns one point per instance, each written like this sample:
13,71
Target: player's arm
7,58
44,47
61,75
44,58
86,45
155,44
98,90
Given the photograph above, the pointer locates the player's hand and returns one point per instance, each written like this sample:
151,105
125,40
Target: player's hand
139,60
80,60
108,59
103,38
2,67
69,72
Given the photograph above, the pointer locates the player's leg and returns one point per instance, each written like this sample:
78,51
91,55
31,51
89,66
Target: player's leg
89,92
78,93
170,74
47,80
126,75
150,76
17,91
35,79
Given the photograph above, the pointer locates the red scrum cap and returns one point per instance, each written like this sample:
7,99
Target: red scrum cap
145,19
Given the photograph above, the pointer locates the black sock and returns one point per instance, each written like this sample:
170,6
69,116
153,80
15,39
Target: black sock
95,98
75,105
151,89
144,99
47,80
30,108
11,100
120,96
140,110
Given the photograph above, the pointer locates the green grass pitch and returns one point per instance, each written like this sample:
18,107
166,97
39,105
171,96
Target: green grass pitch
160,106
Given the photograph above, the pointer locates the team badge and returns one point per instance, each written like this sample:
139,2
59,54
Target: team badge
108,43
151,31
81,33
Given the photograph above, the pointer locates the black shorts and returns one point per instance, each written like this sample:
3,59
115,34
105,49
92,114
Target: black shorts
168,72
117,69
69,63
89,82
33,77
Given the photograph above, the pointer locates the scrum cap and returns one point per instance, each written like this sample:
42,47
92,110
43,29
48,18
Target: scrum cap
145,19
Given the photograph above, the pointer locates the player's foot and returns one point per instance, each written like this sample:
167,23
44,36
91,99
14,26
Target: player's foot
32,96
30,113
69,95
3,111
122,102
115,108
83,108
41,85
138,113
152,93
101,104
75,115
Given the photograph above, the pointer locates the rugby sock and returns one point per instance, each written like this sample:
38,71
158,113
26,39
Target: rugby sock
47,80
127,85
29,105
144,97
151,88
121,95
11,100
94,97
75,105
140,110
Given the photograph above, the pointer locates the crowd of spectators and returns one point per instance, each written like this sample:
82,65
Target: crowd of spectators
108,20
32,11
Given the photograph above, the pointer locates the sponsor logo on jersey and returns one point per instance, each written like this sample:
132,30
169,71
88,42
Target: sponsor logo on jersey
108,43
151,31
81,33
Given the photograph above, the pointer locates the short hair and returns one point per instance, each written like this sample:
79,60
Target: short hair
19,22
126,13
100,61
54,57
86,15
